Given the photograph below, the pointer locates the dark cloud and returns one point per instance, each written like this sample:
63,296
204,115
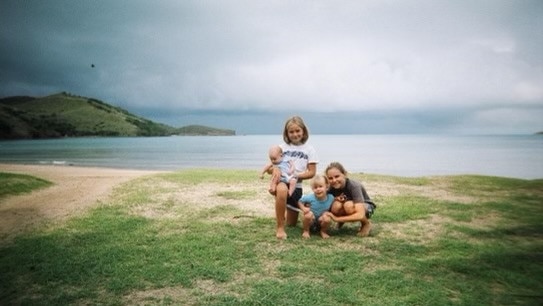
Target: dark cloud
413,66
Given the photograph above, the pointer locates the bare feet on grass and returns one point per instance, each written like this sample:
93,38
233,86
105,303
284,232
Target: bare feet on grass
324,235
365,229
305,235
281,234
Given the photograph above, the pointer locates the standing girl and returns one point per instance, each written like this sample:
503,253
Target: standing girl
304,158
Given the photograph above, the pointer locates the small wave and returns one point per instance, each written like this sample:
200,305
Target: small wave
55,162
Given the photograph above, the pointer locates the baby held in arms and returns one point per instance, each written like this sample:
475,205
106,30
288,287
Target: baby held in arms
280,170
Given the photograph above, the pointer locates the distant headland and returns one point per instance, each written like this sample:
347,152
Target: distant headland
68,115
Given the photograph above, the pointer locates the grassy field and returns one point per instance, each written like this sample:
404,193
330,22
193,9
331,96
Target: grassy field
206,237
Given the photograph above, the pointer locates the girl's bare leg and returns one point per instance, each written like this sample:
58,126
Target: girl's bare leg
324,221
280,208
308,219
292,217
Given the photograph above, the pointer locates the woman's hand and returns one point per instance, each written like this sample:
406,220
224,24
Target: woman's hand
341,198
330,215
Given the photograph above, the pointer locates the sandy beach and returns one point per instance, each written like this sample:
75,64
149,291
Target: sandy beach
75,190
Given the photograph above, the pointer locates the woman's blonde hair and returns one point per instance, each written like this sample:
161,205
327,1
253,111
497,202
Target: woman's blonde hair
299,122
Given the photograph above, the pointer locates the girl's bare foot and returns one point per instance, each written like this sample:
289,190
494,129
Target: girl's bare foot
324,235
281,234
305,235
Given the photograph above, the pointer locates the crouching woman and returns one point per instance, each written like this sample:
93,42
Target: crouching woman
351,201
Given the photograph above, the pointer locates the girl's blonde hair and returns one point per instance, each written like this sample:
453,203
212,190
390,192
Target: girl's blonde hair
299,122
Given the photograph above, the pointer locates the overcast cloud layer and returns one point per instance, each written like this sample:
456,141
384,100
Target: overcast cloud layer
346,66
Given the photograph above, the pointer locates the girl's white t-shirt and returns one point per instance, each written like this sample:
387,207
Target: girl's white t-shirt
301,156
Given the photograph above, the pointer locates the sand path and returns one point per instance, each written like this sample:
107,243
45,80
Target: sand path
75,189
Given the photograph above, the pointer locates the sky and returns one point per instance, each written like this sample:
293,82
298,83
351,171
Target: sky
345,66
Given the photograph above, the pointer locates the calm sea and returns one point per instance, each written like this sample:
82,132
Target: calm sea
405,155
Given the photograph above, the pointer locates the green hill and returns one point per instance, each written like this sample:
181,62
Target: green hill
66,115
204,130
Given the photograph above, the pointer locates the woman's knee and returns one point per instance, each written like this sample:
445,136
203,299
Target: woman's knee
349,207
336,208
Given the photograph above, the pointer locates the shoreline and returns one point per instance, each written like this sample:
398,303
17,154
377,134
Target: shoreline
75,189
61,164
41,167
46,169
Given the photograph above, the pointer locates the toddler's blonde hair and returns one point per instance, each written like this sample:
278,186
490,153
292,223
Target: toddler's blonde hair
318,178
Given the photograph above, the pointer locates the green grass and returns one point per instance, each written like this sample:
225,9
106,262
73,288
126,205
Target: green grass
154,242
14,184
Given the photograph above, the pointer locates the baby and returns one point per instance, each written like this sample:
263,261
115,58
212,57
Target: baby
280,170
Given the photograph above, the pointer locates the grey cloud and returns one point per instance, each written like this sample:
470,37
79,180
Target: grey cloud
403,62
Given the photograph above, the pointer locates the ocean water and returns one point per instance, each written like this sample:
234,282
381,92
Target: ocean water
518,156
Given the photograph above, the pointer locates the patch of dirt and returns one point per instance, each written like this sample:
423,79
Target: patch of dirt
75,190
252,199
435,191
160,296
